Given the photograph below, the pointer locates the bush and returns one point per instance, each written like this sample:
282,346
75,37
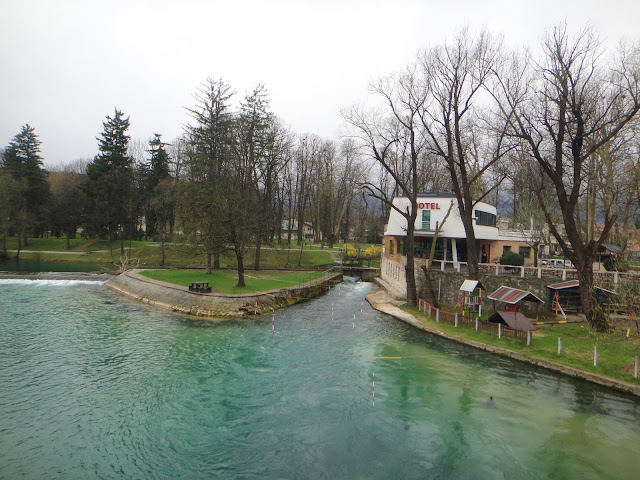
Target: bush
349,250
512,258
612,264
374,251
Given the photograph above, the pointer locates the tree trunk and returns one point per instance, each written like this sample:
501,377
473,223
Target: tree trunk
4,255
256,263
590,307
473,252
409,269
216,261
207,268
162,250
430,287
240,261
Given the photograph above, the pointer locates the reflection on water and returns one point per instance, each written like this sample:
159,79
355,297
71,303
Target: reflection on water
97,386
28,266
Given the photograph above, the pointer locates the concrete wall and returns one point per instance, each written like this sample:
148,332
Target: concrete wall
180,299
449,285
449,282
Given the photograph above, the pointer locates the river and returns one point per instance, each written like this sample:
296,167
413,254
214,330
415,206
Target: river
93,385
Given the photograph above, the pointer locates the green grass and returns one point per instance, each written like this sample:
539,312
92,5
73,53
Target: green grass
225,281
176,255
615,352
45,244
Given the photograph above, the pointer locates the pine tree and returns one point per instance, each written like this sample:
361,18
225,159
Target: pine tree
110,180
158,207
210,141
23,162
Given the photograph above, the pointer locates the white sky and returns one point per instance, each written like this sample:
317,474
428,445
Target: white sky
65,65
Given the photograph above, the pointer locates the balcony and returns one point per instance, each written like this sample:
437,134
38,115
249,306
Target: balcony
425,227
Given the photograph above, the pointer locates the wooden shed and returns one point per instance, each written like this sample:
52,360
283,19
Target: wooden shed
513,297
565,296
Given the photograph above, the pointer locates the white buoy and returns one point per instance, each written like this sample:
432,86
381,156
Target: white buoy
373,389
273,322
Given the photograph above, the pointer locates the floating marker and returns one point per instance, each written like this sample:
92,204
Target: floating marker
273,322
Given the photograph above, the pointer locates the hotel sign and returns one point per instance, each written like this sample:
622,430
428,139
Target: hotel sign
428,206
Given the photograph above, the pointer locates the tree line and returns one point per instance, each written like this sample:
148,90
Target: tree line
237,180
550,138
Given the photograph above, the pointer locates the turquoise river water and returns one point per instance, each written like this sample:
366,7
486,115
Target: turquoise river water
93,385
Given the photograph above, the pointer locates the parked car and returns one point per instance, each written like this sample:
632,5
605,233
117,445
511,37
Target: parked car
559,263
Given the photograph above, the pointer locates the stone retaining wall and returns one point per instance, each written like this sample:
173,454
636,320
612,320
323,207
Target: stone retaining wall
180,299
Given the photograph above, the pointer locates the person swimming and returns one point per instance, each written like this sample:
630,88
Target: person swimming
491,403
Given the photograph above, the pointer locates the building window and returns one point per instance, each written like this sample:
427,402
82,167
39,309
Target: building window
485,218
525,251
426,219
506,248
391,248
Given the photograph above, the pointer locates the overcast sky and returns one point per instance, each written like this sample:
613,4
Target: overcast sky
67,64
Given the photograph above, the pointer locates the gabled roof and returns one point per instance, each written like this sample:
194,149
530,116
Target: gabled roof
607,247
513,295
515,320
564,285
574,284
469,286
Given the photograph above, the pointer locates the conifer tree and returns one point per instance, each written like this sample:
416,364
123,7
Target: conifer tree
110,179
23,162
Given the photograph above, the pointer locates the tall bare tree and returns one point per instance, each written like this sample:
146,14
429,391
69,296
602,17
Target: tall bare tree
394,141
456,75
565,108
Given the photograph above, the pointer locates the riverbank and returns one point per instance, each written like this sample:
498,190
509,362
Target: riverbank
387,302
179,299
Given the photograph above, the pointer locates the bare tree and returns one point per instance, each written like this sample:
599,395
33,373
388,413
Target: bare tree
564,109
394,141
456,76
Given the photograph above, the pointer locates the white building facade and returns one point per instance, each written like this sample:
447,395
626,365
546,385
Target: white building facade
451,244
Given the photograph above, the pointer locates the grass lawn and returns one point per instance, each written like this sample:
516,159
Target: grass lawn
46,244
225,281
149,253
615,352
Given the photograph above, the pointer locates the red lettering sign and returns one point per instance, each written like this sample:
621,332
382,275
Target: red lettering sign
429,206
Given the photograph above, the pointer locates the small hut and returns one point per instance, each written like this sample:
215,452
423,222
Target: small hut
472,296
514,320
565,296
513,297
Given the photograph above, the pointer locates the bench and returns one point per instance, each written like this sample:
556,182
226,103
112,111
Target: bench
200,287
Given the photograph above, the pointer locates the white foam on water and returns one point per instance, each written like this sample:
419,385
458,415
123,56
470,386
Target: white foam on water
49,283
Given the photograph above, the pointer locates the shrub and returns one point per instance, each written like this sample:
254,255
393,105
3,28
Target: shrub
612,264
374,251
512,258
349,250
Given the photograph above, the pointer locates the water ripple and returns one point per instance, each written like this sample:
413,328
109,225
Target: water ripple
96,386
